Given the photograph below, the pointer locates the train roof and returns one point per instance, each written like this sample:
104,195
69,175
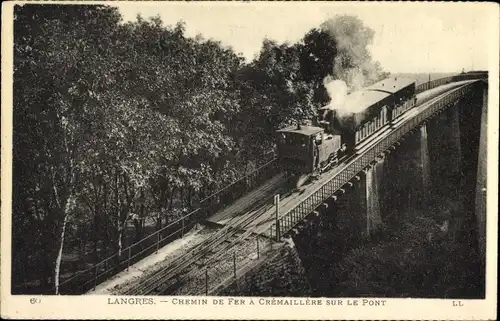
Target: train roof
359,101
391,84
304,130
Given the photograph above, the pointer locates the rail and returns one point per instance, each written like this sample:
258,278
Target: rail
246,256
222,239
288,220
87,279
219,276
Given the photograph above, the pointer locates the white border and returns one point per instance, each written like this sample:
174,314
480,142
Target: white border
87,307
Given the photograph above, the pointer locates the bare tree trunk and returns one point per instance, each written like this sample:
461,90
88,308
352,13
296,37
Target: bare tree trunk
117,209
84,247
120,236
142,210
189,197
137,227
67,210
122,225
171,198
96,238
160,207
104,212
59,255
65,203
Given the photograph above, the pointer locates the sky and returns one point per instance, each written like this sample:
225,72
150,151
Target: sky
409,37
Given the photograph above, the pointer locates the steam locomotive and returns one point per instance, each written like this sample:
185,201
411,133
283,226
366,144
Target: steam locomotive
306,150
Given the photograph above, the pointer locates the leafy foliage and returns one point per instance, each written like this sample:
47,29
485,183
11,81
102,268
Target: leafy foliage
422,258
120,122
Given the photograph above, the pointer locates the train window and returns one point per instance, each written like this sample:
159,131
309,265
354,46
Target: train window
303,141
293,140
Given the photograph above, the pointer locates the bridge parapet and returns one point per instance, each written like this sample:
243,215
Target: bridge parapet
446,80
432,84
288,220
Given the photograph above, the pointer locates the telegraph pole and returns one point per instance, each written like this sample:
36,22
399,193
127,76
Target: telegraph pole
277,204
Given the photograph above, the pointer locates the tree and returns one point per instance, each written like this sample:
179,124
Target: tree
117,120
317,60
274,93
50,112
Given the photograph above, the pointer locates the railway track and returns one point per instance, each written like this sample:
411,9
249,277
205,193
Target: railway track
225,238
222,254
215,255
219,255
229,244
191,265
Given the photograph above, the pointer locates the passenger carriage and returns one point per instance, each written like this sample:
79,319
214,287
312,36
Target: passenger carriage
309,149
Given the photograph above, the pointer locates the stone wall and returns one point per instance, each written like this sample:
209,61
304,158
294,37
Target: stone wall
280,274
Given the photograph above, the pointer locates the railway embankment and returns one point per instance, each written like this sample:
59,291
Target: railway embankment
255,265
154,263
217,271
279,272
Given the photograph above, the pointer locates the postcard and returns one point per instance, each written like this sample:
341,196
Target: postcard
249,160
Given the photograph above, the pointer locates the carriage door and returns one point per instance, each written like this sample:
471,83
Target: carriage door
383,116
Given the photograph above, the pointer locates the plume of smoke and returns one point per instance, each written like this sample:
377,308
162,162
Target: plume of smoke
353,62
340,101
337,91
353,66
